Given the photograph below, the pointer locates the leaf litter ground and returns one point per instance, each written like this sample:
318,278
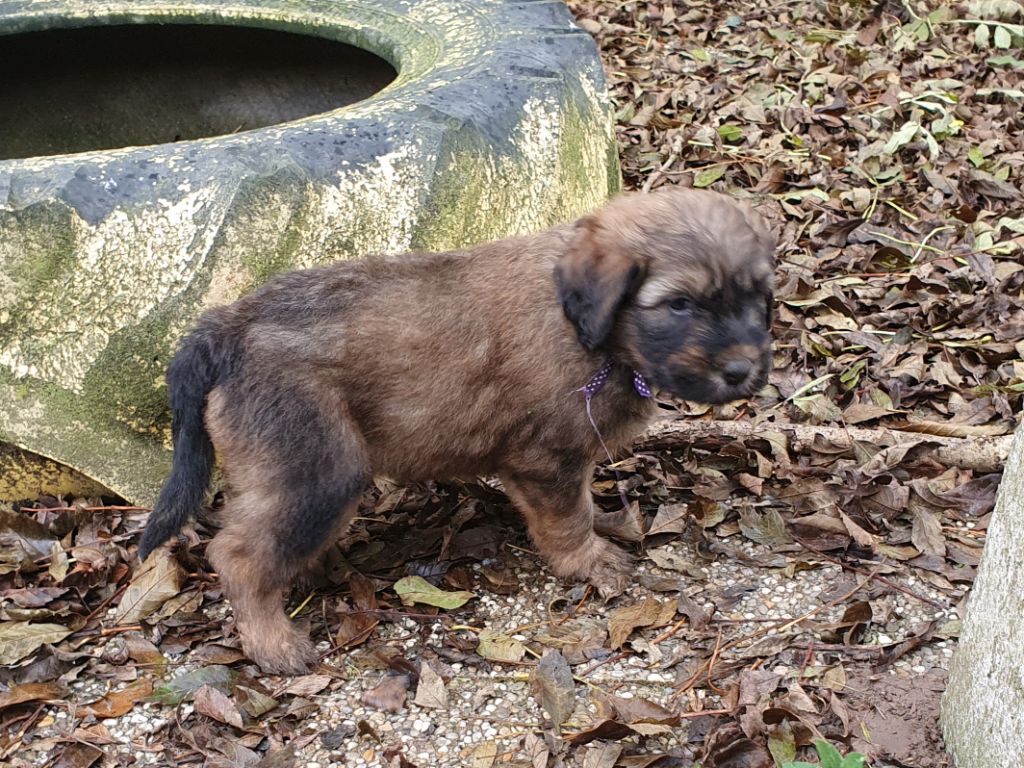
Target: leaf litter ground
803,557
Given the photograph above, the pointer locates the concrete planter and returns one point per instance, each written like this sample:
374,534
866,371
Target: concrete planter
495,123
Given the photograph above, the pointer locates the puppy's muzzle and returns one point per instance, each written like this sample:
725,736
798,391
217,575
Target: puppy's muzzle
716,373
743,368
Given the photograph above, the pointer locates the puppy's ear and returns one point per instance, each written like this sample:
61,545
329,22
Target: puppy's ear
594,277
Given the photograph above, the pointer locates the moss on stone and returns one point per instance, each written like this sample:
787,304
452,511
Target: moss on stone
24,476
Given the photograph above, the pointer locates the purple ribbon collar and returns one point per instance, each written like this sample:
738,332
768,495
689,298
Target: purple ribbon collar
591,388
600,378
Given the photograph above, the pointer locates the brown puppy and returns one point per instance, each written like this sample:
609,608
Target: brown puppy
434,366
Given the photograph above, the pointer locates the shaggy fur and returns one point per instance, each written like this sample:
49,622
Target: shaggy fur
445,365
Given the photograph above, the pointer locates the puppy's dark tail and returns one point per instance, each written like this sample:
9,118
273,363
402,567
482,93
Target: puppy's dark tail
194,371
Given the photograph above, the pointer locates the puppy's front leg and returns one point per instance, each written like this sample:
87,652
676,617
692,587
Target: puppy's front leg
559,513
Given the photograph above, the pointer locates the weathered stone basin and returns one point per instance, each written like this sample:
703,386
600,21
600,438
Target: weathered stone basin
458,121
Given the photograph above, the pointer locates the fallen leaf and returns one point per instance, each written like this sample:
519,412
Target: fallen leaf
308,685
253,702
728,748
620,718
77,755
537,751
22,540
20,694
33,597
670,561
498,647
159,579
782,744
765,527
279,758
58,568
671,518
118,703
926,533
430,691
869,31
186,602
649,612
857,533
709,176
483,755
601,755
216,654
215,703
20,638
578,640
357,623
552,684
501,580
183,687
416,589
623,525
141,651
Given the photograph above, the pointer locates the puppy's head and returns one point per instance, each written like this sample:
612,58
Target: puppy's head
678,284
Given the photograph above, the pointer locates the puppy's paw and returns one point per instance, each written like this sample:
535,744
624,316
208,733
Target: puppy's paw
611,572
292,657
607,567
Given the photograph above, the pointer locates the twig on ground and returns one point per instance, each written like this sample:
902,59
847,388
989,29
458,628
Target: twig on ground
982,454
659,172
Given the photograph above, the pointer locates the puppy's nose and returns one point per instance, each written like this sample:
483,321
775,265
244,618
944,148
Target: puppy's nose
736,371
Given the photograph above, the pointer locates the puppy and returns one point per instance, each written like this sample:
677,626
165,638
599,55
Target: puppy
445,365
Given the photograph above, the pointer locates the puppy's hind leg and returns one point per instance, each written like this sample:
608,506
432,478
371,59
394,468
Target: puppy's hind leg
559,513
287,504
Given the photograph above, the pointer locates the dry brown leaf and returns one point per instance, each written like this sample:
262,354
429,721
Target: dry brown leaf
19,694
214,703
926,533
308,685
483,755
495,646
120,702
20,638
578,640
671,518
253,702
665,558
537,750
143,652
430,691
623,621
157,581
620,718
623,524
77,755
763,526
728,748
601,755
858,534
553,686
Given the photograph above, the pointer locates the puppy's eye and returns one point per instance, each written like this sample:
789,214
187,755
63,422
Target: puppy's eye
680,305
